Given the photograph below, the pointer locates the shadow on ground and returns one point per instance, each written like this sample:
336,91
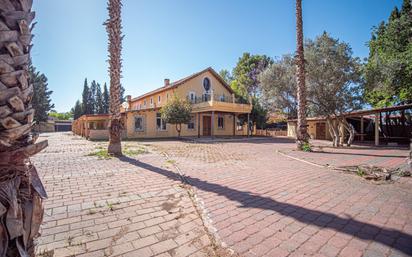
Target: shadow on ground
347,225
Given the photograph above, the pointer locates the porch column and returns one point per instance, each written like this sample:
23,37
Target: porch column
377,129
198,124
234,124
212,130
361,128
248,124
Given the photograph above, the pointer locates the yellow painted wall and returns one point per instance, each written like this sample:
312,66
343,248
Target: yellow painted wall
182,91
150,130
196,85
311,129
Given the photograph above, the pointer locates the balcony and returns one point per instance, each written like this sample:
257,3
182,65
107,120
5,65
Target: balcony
222,103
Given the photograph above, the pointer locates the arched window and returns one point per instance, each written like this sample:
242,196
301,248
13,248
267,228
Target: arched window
206,84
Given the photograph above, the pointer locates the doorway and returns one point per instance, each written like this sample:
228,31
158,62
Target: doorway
321,130
207,126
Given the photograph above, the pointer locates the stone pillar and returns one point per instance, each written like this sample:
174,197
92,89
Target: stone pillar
377,129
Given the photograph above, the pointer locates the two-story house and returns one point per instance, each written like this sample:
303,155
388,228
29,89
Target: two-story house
215,109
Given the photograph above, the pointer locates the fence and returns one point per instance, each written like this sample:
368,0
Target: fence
271,133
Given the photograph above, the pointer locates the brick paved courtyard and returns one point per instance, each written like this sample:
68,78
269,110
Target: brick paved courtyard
261,203
114,207
264,204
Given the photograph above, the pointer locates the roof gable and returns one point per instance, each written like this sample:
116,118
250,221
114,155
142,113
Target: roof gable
183,80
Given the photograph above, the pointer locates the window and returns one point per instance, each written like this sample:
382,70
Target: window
167,96
220,121
144,103
222,98
191,124
239,124
206,84
138,123
192,97
160,123
159,98
140,106
151,101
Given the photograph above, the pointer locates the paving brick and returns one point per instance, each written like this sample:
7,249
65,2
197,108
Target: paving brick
108,207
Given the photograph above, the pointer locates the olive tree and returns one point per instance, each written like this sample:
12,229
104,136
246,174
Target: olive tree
177,111
333,78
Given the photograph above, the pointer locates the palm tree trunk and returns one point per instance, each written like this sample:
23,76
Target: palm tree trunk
114,31
302,134
21,191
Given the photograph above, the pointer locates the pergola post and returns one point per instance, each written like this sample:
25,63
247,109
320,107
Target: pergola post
377,129
361,129
212,130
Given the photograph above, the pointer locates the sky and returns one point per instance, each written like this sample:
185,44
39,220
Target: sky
175,38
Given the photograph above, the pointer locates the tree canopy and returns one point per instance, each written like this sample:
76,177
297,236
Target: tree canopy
41,100
94,100
61,115
388,71
177,111
333,81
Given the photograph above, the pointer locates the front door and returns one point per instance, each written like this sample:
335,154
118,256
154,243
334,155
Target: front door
321,130
207,126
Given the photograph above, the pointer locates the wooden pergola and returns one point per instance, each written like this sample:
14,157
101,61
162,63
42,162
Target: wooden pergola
377,113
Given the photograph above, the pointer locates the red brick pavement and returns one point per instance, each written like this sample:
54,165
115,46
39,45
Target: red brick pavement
114,207
264,204
355,155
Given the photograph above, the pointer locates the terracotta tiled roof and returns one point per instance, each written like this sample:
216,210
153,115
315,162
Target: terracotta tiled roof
183,80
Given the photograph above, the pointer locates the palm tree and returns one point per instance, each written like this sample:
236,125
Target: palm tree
114,31
302,134
21,191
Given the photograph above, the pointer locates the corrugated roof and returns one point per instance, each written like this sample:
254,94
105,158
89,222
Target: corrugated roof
364,112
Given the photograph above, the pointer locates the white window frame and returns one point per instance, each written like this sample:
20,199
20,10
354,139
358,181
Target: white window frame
142,123
239,126
192,93
163,124
192,121
223,121
144,103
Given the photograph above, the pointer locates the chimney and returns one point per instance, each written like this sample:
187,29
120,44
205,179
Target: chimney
167,82
128,98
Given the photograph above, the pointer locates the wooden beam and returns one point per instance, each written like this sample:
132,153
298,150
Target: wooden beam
377,129
198,125
213,124
234,124
248,124
361,129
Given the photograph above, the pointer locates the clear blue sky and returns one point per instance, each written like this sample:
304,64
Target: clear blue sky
175,38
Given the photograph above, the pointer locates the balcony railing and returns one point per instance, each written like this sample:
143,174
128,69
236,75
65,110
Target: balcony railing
218,98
